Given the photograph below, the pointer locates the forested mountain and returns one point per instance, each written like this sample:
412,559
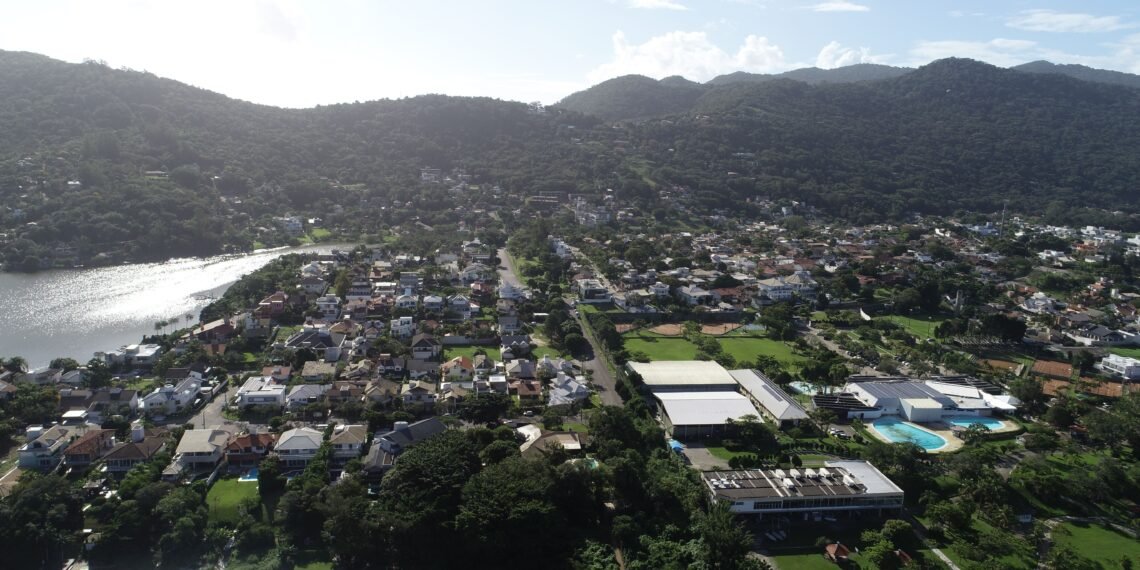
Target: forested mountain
635,97
954,134
1082,72
76,140
815,75
638,97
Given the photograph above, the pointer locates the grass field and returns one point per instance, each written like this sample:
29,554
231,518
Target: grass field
740,348
921,327
751,347
662,348
1129,352
469,351
1097,543
225,496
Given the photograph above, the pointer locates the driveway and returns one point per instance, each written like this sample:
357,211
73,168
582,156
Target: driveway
700,458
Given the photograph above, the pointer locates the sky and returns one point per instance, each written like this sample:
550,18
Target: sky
295,53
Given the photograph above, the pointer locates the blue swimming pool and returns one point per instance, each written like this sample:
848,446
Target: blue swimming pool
804,388
966,421
899,431
250,476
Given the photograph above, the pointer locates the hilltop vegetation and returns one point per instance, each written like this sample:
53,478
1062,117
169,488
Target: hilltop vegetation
956,134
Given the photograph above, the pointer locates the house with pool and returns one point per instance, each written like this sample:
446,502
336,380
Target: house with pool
894,407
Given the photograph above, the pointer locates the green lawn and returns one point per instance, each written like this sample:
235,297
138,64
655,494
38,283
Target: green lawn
662,348
1098,543
225,496
740,348
469,351
319,234
751,347
921,327
1129,352
812,561
540,351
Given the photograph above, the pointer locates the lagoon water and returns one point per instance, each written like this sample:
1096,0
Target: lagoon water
76,312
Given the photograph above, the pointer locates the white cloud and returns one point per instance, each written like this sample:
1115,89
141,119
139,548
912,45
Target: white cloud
835,55
689,54
657,5
840,6
1054,21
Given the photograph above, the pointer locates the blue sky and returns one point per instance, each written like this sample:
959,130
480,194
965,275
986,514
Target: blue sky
304,53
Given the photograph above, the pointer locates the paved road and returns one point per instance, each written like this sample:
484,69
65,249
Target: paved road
507,274
602,378
211,415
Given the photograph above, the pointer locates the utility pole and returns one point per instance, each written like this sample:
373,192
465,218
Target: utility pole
1001,228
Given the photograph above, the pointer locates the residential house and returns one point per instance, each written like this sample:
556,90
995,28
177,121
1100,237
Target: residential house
347,443
659,290
302,395
1123,366
133,355
388,446
144,444
461,306
694,295
100,404
403,327
44,451
317,371
248,449
382,391
551,367
407,301
88,448
212,332
420,392
329,307
199,451
566,390
433,303
261,391
387,364
458,369
272,305
278,373
313,285
421,369
1040,303
297,447
319,340
342,392
483,364
509,325
514,346
475,272
511,292
528,391
799,284
171,399
592,291
425,347
521,369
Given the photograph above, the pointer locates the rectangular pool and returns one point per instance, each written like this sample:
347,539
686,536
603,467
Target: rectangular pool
991,424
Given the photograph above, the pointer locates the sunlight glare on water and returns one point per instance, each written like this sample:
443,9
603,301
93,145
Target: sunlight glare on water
78,312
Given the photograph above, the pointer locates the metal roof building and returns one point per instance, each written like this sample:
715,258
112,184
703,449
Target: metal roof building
688,415
774,402
683,375
839,487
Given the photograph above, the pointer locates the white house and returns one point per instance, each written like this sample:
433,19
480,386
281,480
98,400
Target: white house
403,327
261,391
348,442
329,306
297,447
799,284
1122,366
433,303
566,389
170,399
406,301
45,450
304,394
